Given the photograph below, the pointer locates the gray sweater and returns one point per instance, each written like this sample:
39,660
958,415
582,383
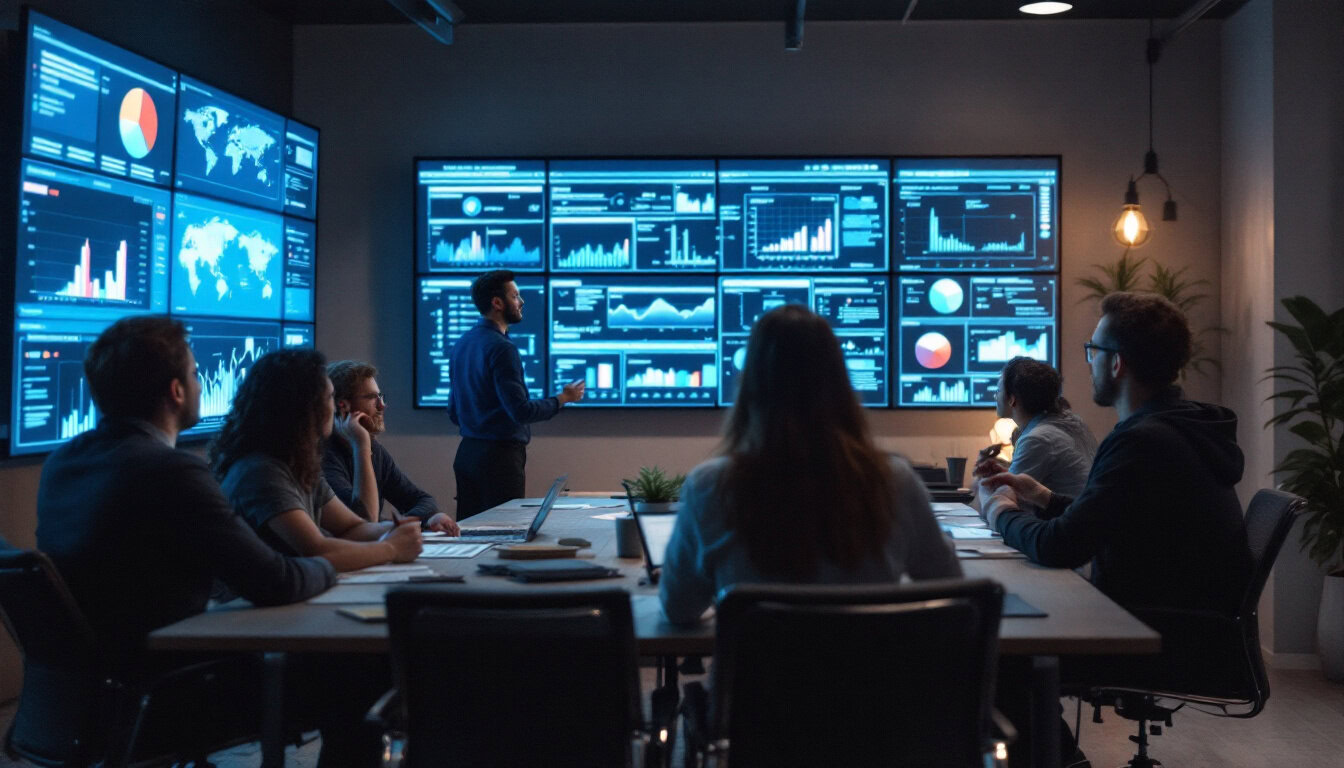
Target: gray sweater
705,556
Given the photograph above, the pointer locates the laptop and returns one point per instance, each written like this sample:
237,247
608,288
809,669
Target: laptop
655,531
496,534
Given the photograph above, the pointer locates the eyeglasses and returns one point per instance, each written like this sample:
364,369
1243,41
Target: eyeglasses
379,396
1089,349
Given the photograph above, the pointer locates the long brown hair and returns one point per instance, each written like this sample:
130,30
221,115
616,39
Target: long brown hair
804,481
277,411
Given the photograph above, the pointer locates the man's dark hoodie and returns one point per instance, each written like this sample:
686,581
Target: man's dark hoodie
1159,518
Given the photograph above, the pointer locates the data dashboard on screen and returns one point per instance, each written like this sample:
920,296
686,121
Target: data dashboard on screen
444,311
957,331
474,215
858,309
89,246
977,214
141,191
633,215
227,259
228,147
51,402
300,170
97,106
804,215
635,340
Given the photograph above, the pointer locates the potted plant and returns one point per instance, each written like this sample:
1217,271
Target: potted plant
1315,413
655,492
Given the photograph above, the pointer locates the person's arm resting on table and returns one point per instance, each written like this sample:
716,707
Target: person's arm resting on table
232,550
354,543
1069,531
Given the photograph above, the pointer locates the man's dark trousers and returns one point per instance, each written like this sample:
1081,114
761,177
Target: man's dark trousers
489,473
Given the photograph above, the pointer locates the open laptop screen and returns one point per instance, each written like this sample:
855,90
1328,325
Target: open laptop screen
657,530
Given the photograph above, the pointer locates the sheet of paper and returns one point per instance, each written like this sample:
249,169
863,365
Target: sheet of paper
393,568
380,578
452,549
610,515
953,508
568,505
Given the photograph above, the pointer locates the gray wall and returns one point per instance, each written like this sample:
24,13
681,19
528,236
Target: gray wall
224,42
1308,260
1248,244
384,95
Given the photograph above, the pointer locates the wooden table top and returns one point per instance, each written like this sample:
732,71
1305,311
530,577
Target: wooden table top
1081,620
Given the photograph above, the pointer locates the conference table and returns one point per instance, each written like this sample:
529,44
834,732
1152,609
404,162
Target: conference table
1079,619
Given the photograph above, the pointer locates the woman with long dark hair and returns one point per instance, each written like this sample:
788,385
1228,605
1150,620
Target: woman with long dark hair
799,492
268,458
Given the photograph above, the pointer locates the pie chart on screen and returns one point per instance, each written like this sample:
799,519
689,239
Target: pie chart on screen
139,123
946,296
933,350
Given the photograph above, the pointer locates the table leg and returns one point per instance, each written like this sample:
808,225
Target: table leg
273,710
1045,711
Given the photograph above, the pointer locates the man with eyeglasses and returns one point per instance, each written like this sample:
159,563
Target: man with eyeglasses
1159,518
356,464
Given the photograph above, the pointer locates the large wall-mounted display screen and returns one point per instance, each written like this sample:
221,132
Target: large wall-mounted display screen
444,311
803,215
977,214
857,308
633,215
144,191
96,106
475,215
957,331
635,340
933,272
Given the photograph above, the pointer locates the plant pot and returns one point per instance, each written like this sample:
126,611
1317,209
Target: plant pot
656,507
1330,627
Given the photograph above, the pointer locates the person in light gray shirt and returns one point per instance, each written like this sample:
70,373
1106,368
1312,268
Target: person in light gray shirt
1053,445
799,493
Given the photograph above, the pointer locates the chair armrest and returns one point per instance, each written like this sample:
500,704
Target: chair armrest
1001,728
385,712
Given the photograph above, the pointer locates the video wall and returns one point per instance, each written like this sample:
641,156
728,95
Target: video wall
144,191
643,277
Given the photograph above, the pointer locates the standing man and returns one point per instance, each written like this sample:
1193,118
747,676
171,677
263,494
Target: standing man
489,401
362,467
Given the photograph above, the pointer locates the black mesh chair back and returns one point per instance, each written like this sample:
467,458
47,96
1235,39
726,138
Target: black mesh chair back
538,678
1269,518
61,672
856,675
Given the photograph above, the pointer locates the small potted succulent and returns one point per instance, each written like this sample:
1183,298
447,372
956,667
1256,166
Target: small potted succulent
654,491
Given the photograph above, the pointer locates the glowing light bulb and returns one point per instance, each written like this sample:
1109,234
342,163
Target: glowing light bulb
1045,9
1131,228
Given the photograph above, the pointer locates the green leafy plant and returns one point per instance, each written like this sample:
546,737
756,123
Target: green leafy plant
1315,413
1128,274
654,486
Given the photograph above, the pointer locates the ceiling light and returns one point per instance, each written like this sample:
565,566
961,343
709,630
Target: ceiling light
1045,9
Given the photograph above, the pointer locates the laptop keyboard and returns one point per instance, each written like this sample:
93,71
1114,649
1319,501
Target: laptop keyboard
494,532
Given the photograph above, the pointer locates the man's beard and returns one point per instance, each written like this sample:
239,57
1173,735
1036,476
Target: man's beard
513,316
1105,390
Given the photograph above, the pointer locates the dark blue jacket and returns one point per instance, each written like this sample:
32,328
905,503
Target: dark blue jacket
489,397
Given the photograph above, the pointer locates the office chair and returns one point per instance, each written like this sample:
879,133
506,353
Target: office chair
1221,669
850,675
73,710
546,678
